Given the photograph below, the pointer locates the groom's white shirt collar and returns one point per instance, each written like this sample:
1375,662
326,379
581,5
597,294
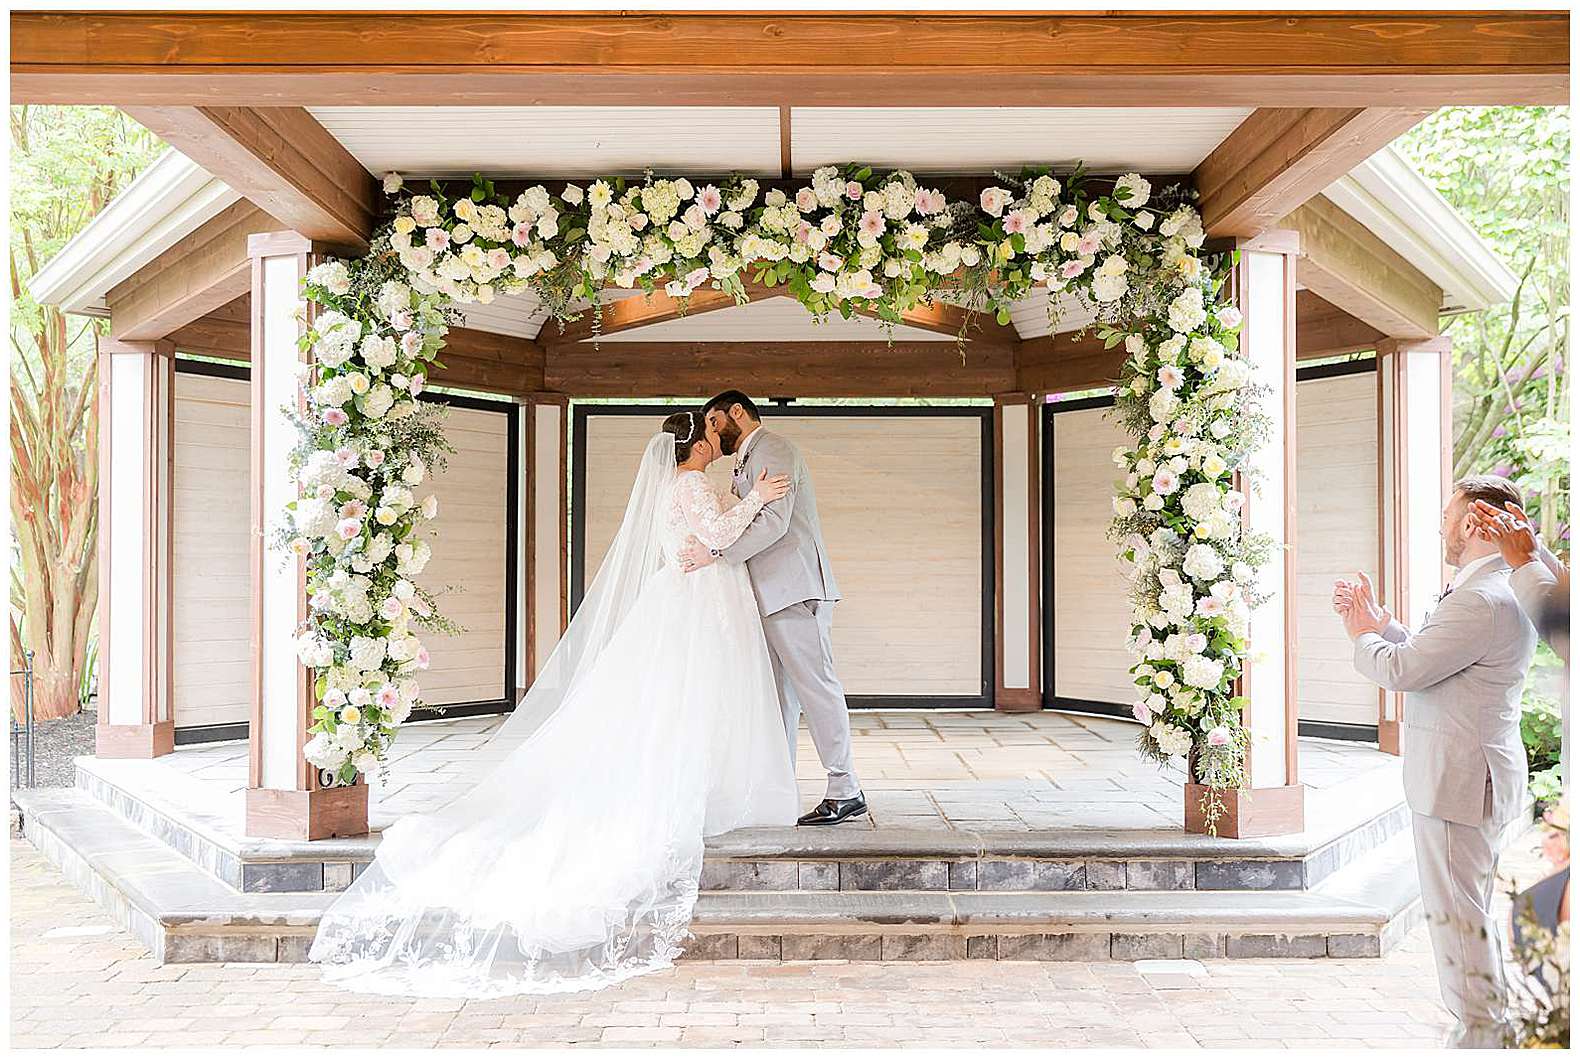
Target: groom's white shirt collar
1466,572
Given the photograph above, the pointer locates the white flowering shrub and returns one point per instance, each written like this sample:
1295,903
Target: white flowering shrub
366,447
852,240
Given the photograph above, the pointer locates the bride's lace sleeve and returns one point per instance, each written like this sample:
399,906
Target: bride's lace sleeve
715,525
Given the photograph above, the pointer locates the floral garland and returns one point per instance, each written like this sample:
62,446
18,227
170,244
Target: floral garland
853,240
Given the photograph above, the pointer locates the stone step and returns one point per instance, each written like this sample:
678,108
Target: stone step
184,914
181,811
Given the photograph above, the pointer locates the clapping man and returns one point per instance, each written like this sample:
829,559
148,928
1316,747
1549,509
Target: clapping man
1464,762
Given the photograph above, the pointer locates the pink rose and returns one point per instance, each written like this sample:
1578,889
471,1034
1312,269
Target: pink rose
829,262
802,232
521,234
374,458
421,257
353,509
805,200
1089,244
853,191
993,201
1141,713
422,658
391,608
388,697
411,343
1219,736
348,528
1071,269
696,277
402,320
335,417
416,386
499,258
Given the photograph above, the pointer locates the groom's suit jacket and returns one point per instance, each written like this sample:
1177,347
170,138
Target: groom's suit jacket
1461,673
783,547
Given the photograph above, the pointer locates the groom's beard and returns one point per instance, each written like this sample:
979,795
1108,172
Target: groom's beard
729,436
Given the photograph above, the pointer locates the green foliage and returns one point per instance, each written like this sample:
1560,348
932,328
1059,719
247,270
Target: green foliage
1506,170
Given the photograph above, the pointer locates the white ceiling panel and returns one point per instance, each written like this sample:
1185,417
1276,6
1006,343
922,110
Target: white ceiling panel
770,320
557,141
974,139
520,315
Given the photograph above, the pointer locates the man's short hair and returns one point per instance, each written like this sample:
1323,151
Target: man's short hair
1492,488
729,398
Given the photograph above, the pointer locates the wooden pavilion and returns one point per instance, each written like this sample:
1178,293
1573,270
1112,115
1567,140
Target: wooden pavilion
996,588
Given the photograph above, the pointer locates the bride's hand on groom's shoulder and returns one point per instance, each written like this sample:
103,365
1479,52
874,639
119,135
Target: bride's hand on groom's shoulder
693,556
771,487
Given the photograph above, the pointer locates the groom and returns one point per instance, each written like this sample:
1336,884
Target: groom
784,555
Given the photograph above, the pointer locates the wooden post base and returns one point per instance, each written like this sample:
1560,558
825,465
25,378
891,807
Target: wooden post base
1388,737
306,816
1255,813
134,740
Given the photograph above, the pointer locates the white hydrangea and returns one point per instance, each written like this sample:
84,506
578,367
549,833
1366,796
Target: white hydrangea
1199,671
1171,739
1187,312
368,652
1202,562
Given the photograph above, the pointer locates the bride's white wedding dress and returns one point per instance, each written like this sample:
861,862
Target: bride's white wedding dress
574,862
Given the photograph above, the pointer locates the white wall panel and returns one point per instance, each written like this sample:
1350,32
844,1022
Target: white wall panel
469,571
211,615
1090,605
1336,534
900,498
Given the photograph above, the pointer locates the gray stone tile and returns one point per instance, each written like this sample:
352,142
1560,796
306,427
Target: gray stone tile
337,875
924,947
1105,875
286,877
1276,946
1159,875
1147,947
1354,946
1070,947
758,947
1250,875
1031,875
1205,946
833,947
894,875
293,948
221,948
750,875
963,875
711,947
819,875
982,947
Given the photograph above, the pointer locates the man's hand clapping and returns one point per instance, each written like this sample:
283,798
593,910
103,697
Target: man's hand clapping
1356,603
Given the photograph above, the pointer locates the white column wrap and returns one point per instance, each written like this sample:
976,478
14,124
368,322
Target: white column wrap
549,530
1015,546
280,585
1267,300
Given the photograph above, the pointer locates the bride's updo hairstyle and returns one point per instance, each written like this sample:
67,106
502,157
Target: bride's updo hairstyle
688,428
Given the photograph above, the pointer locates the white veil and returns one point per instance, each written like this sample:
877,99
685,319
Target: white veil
632,558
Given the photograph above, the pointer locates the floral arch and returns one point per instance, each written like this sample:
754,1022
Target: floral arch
853,240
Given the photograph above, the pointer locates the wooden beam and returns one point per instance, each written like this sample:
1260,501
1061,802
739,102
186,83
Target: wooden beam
795,369
281,159
1200,58
943,318
639,310
200,273
1343,263
1324,330
1280,157
472,359
1072,361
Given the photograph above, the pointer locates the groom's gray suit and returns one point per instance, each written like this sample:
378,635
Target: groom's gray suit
784,554
1464,774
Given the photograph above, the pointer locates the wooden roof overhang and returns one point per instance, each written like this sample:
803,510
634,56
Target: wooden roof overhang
231,90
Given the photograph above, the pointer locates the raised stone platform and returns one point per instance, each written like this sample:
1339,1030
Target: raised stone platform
159,844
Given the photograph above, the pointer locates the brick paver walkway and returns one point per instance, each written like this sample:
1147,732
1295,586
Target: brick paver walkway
77,981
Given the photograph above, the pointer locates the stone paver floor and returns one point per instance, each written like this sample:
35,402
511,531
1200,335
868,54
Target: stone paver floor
930,769
77,981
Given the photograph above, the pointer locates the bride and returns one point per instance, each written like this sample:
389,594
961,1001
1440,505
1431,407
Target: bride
574,862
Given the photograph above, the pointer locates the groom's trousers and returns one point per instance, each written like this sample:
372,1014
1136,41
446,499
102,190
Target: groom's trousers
800,645
1458,864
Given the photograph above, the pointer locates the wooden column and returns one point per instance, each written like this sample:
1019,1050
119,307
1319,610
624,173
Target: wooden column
1017,547
285,796
136,445
1415,456
547,519
1264,283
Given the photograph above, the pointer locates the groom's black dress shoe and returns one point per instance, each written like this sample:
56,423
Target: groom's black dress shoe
835,811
